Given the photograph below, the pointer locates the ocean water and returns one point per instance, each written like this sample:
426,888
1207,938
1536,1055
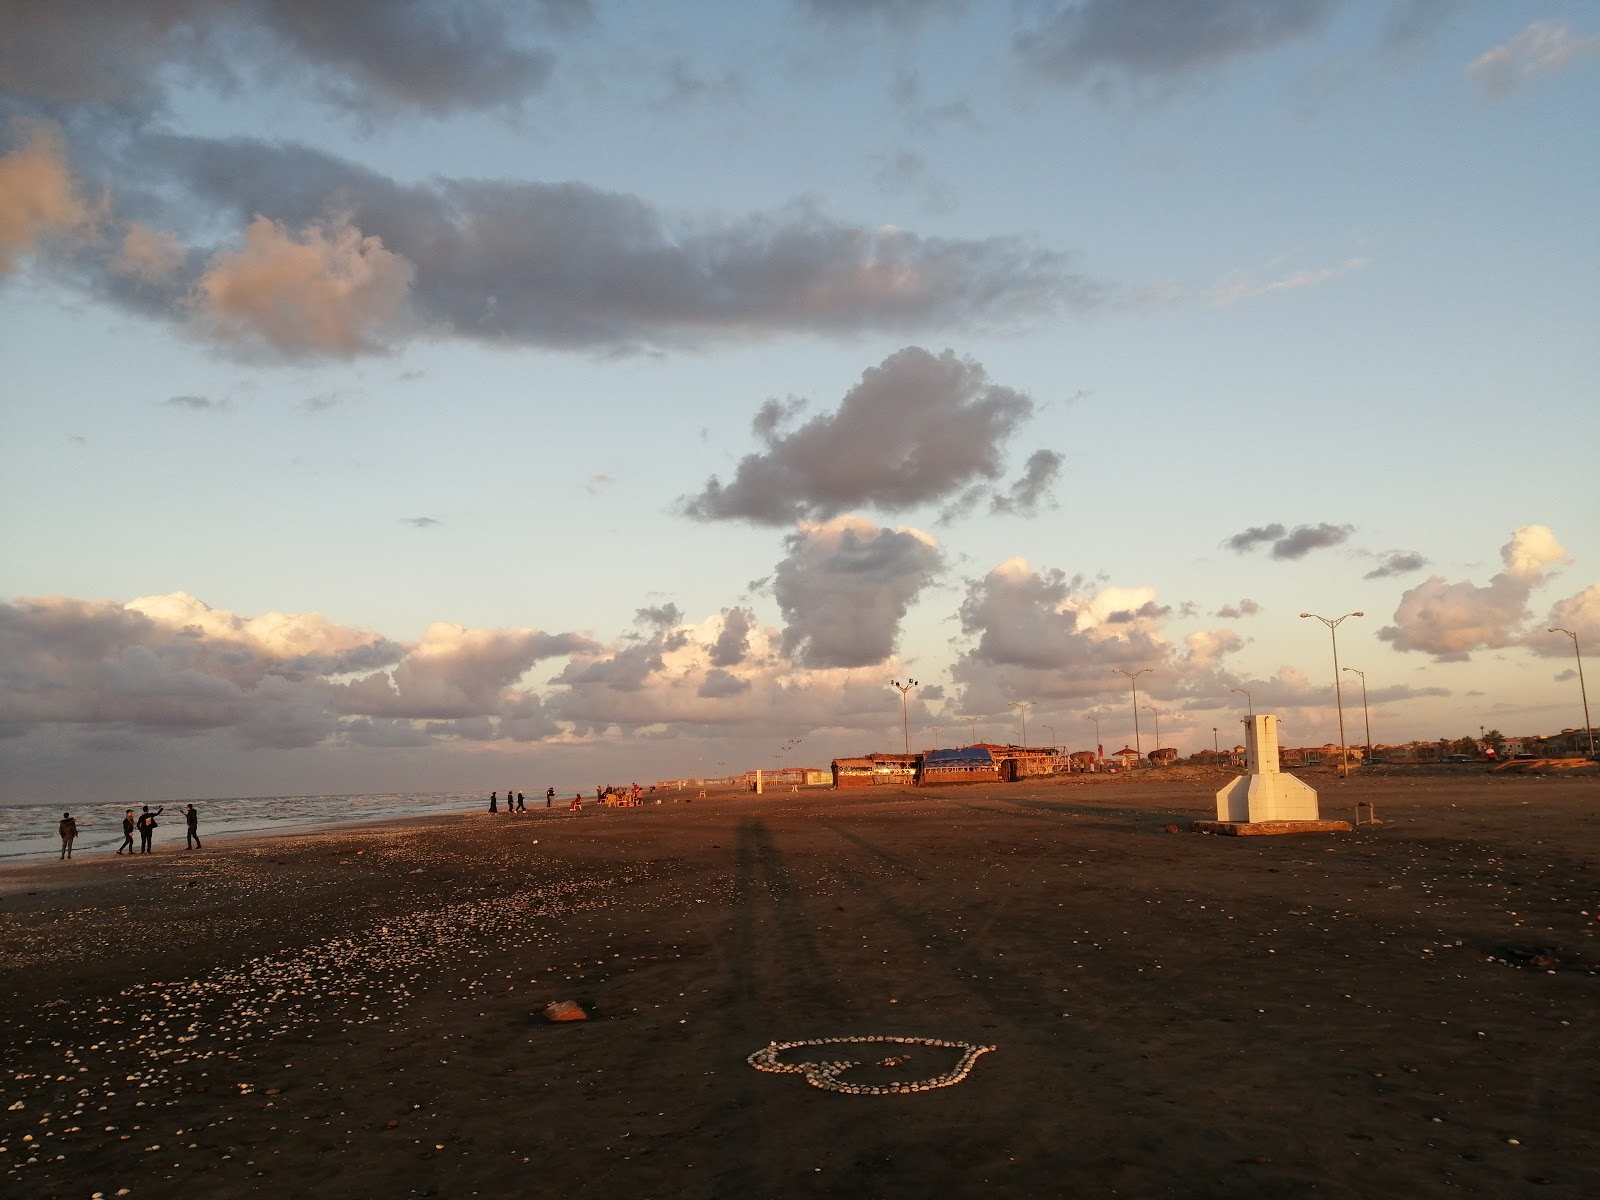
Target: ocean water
29,830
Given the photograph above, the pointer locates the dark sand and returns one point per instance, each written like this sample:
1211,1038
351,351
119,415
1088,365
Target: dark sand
355,1013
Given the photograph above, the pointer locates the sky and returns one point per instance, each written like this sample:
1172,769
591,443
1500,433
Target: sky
424,395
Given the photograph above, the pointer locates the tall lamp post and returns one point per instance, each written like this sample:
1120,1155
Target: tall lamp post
1215,749
1249,702
1023,706
1333,624
1133,682
1152,708
972,721
1051,730
1366,717
1582,690
1096,721
904,726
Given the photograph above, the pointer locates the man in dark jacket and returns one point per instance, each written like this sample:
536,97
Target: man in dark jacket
147,827
128,824
192,816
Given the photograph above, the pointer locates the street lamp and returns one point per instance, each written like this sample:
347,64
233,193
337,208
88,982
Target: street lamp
1366,717
1582,690
1133,682
1096,721
1152,708
972,721
1052,731
1023,706
1249,703
1333,624
905,728
1215,749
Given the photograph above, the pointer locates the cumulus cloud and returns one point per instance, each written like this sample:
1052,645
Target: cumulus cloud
1289,544
454,672
845,586
371,56
189,402
1544,48
1088,42
918,427
1579,613
39,197
1245,608
1450,620
896,12
330,289
1399,562
733,643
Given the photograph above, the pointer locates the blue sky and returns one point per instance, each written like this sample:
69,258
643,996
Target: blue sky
404,400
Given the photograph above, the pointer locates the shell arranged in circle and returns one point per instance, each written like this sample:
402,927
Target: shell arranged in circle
826,1075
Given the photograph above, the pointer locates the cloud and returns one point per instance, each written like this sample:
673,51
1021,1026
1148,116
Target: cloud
454,672
1089,42
1289,544
38,196
420,522
163,661
371,56
845,587
1253,537
1399,562
1579,613
733,643
151,255
1450,620
1306,538
1237,288
1245,608
193,403
917,428
895,12
328,290
1544,48
335,254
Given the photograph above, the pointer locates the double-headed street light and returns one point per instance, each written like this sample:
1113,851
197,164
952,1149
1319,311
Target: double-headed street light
1023,706
1333,624
1133,682
972,721
1582,690
905,727
1365,716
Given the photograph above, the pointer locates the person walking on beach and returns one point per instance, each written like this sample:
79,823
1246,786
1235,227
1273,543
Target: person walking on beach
192,816
147,827
549,797
69,834
494,802
127,832
521,807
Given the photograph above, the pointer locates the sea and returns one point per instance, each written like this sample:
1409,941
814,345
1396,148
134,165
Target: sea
29,830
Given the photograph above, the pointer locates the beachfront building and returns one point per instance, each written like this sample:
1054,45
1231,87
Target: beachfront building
875,770
969,764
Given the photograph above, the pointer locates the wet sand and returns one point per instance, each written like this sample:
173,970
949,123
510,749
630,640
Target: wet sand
1406,1009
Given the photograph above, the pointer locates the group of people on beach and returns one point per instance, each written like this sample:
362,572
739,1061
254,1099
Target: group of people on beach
516,804
144,825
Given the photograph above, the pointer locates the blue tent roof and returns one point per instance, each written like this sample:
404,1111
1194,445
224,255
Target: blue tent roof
967,756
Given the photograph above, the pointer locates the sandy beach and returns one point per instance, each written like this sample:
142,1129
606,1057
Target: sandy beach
1406,1009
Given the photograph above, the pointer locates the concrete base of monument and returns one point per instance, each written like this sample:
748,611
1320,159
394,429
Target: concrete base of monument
1268,828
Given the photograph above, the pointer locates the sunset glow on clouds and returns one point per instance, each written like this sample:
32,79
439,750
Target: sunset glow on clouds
434,391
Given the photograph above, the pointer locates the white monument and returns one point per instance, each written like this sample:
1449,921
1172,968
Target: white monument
1266,800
